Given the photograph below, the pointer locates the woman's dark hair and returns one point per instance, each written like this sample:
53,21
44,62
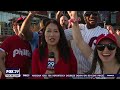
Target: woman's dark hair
43,22
97,59
62,44
117,28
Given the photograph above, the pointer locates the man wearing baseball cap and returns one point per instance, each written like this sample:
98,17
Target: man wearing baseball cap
19,22
16,24
20,19
15,52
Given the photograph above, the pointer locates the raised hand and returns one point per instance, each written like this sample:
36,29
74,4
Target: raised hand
58,15
60,12
110,29
34,12
72,14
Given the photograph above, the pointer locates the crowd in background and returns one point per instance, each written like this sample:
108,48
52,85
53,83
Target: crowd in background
78,48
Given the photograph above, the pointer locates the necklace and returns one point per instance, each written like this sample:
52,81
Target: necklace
111,71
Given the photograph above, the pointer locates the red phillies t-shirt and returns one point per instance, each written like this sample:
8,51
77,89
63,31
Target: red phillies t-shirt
18,53
61,67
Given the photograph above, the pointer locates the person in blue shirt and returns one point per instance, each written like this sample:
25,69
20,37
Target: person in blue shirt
32,37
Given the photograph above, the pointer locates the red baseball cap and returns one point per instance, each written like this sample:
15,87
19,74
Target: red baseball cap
106,36
20,19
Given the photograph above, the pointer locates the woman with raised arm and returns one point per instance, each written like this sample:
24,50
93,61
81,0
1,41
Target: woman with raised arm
106,55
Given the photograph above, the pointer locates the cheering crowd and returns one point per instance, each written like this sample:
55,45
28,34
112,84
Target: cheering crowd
78,48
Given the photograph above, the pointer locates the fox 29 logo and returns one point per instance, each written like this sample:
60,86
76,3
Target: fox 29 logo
12,72
51,63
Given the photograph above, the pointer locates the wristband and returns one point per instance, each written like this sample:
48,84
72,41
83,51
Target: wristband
73,20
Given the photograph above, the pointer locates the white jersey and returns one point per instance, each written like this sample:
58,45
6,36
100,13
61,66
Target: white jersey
89,36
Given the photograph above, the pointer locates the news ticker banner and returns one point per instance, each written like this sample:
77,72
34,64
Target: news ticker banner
62,75
16,73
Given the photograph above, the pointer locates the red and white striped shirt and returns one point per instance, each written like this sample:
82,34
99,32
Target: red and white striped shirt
89,36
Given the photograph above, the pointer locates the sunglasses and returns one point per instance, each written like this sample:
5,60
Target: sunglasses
110,46
89,13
